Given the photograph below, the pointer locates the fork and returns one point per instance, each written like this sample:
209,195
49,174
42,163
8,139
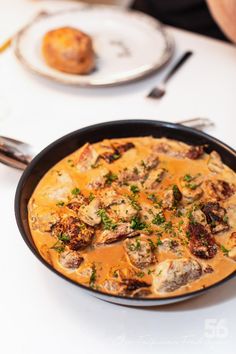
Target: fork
159,91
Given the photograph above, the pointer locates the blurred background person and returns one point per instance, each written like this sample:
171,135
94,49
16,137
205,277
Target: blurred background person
213,18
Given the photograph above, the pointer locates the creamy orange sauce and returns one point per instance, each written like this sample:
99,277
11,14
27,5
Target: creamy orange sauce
54,192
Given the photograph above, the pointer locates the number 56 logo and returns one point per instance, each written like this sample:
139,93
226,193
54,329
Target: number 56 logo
215,328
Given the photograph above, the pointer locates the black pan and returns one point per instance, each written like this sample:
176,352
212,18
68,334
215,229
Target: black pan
117,129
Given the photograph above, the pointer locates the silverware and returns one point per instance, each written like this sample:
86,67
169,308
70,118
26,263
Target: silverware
17,154
159,91
6,44
197,123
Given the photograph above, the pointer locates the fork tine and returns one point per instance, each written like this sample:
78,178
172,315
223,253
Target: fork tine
156,93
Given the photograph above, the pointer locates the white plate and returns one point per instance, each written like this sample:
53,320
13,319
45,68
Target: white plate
128,44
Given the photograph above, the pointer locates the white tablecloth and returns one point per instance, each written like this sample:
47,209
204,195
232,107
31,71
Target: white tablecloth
41,313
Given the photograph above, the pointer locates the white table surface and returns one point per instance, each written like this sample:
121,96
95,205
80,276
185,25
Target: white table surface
41,313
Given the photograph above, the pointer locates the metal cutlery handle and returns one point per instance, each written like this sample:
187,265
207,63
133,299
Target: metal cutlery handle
159,91
12,162
15,148
15,153
197,123
179,63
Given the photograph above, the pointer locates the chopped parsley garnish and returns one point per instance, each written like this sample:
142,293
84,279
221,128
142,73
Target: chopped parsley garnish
152,197
140,274
143,164
93,276
181,222
63,237
116,156
155,200
60,203
108,224
75,191
152,244
135,246
159,241
58,247
224,250
137,224
225,218
191,185
185,242
71,163
188,178
91,197
158,179
134,203
190,215
115,274
159,219
134,189
188,235
150,271
96,164
110,178
176,192
168,226
179,213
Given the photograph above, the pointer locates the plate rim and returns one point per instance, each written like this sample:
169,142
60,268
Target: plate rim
157,25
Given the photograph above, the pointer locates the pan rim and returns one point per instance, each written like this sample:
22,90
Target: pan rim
34,162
